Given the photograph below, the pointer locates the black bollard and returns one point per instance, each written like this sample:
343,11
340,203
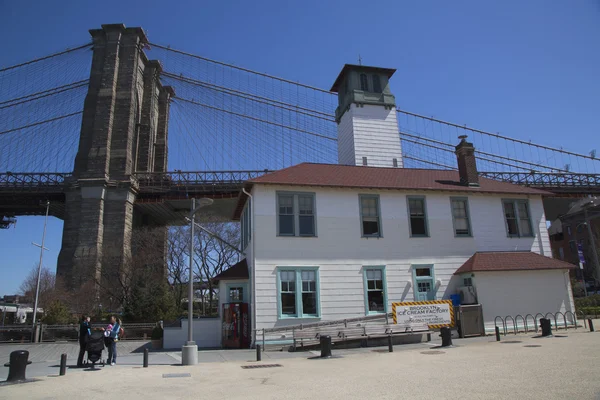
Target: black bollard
258,355
16,366
145,358
446,335
63,364
591,325
390,345
546,327
325,346
497,334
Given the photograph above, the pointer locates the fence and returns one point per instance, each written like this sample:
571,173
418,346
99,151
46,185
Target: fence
54,333
566,319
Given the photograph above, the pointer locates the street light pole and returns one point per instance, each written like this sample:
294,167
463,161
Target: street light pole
189,351
37,286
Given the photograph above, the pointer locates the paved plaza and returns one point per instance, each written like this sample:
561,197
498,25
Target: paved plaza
520,366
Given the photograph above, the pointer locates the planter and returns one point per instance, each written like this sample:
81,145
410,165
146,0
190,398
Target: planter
156,344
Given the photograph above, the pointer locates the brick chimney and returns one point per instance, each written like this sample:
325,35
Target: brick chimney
467,166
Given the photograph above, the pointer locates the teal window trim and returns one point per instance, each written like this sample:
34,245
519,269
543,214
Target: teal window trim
426,215
379,224
241,284
416,278
366,289
468,216
298,292
519,221
296,207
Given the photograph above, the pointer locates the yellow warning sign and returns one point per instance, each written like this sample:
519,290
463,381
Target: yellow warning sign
434,313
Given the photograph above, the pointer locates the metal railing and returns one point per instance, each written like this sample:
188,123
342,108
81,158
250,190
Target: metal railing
28,180
552,180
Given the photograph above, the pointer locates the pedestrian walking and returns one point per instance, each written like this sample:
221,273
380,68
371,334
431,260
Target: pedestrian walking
112,333
84,333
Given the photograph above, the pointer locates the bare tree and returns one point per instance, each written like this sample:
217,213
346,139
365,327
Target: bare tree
212,253
177,263
47,281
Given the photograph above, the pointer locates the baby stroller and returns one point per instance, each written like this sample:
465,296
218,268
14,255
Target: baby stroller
94,348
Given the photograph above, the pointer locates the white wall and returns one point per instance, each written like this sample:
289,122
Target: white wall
510,293
369,131
207,334
340,252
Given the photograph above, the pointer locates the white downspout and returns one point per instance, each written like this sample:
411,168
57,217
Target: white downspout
252,270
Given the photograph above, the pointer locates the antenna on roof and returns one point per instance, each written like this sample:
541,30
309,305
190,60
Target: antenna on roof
359,60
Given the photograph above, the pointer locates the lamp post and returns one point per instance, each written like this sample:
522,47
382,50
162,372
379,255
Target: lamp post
189,351
37,286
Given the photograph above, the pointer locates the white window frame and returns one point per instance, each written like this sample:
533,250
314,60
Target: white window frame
519,221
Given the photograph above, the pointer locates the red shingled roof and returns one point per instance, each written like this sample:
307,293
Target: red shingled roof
334,175
511,261
238,270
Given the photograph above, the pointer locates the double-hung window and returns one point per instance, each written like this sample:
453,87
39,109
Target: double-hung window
370,222
460,216
417,215
298,292
296,214
517,218
375,290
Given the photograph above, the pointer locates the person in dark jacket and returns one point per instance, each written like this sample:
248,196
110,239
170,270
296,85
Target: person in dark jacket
84,333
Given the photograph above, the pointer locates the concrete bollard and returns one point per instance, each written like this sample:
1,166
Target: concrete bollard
17,365
546,326
325,346
446,335
591,324
145,358
63,364
258,355
497,334
390,345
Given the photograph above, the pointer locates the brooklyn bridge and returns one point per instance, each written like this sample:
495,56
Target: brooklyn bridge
121,133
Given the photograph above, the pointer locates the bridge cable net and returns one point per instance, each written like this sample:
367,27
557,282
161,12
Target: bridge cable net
41,103
430,140
226,117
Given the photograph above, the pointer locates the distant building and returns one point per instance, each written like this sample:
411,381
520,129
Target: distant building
570,231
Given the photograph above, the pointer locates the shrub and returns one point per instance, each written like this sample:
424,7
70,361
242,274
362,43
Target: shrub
585,302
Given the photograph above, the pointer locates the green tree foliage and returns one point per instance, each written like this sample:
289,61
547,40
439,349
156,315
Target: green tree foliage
150,300
57,313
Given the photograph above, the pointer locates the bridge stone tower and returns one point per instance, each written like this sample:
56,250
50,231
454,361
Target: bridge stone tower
124,130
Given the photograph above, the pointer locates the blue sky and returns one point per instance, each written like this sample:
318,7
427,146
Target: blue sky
525,69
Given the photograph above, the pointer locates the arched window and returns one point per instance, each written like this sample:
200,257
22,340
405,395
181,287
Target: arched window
376,84
364,82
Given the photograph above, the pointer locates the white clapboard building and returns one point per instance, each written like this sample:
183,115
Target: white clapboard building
331,242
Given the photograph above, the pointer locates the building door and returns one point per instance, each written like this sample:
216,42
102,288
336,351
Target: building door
424,283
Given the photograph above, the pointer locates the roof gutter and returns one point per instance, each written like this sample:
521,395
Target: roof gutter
252,268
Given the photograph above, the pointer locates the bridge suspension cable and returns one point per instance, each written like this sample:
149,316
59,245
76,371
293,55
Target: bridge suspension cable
60,53
44,93
40,122
240,68
253,97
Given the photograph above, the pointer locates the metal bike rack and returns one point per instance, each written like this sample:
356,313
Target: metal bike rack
574,317
503,324
517,322
513,321
564,320
526,326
